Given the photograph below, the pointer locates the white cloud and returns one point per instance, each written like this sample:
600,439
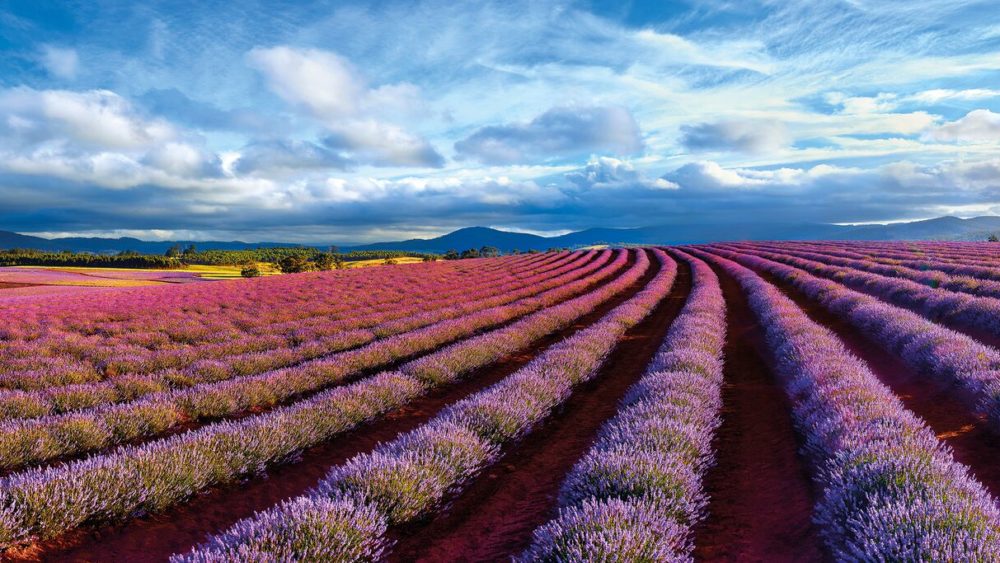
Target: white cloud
944,94
60,62
612,173
334,92
383,144
95,118
981,125
557,133
748,136
321,81
710,175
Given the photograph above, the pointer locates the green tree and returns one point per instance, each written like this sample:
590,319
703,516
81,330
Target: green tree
250,270
324,261
451,254
994,238
190,250
174,251
294,263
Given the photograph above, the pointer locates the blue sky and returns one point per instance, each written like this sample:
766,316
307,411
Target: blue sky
342,121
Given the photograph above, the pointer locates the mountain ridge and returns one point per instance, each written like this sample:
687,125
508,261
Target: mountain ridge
940,228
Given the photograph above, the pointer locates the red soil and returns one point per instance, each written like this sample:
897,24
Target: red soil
495,516
156,537
948,409
761,500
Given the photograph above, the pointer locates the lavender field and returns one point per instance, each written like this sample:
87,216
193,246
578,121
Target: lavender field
733,401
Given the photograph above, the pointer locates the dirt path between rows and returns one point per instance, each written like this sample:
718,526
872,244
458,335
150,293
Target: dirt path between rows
947,408
495,516
761,498
156,537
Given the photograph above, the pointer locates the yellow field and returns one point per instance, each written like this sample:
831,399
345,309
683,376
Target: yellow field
381,262
134,277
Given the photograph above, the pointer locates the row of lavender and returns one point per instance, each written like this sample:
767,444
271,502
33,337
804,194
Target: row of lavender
351,509
934,351
41,439
975,254
962,311
889,490
35,403
637,494
67,358
42,503
924,275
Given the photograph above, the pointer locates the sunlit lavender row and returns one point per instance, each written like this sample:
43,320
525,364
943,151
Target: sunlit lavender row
889,489
637,494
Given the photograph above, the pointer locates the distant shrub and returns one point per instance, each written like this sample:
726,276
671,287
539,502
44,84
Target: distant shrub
294,263
250,271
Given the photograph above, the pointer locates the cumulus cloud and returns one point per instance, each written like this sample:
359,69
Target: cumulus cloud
559,132
383,144
610,173
268,157
977,126
60,62
709,175
95,118
746,136
321,81
332,91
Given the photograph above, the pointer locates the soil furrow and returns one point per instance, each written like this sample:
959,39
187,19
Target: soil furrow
761,498
495,516
155,537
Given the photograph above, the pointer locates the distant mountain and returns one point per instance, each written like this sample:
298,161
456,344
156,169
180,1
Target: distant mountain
941,228
470,237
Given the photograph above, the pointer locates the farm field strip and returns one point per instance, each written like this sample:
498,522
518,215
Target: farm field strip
270,305
26,370
936,352
974,254
638,492
159,474
977,267
49,437
895,253
928,277
945,406
80,397
165,305
977,316
350,511
860,438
